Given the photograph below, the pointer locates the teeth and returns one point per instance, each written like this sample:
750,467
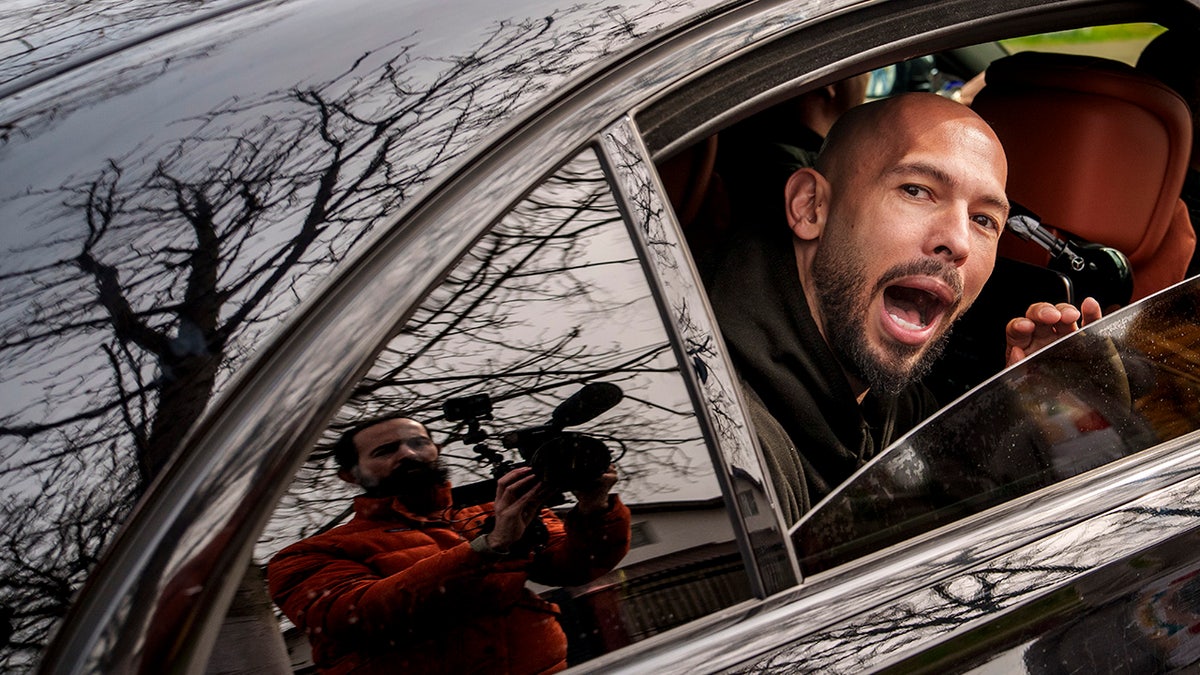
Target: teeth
904,323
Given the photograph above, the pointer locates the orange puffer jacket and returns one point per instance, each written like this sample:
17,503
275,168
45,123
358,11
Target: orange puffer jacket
392,591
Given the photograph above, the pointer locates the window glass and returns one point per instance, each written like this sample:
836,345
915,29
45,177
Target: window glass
1119,386
544,339
1122,42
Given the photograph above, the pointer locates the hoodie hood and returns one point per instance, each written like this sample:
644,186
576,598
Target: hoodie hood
781,355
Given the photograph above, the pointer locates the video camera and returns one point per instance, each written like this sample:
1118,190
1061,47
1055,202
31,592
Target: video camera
564,461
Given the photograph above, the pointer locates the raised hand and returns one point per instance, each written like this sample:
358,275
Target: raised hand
519,496
1044,323
594,498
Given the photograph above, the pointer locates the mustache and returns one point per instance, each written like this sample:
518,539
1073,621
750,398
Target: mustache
415,466
412,474
929,267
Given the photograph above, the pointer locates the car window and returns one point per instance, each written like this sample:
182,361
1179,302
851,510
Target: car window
1117,387
1122,42
947,72
547,329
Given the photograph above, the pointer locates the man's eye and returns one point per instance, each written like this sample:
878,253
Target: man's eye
987,222
386,449
915,190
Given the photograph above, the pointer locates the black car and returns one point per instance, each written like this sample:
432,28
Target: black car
233,229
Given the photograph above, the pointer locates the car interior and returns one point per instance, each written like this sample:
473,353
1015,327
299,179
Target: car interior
1097,153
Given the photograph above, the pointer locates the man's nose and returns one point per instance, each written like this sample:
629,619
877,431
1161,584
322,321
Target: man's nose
403,453
950,235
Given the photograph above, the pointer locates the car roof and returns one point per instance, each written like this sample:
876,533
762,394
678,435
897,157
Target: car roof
51,38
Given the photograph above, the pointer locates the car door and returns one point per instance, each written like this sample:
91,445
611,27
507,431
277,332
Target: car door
586,157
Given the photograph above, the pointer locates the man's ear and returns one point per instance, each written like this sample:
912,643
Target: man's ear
807,195
348,475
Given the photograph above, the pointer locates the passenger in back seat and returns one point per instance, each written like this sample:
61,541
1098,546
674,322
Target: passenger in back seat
832,319
756,157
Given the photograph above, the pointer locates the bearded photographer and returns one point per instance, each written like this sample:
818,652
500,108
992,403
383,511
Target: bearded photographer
416,584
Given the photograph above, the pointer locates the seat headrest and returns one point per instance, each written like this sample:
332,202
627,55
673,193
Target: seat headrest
1094,146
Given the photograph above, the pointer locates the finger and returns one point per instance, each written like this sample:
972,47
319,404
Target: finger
528,504
605,480
1068,315
1019,332
514,475
1043,313
526,484
1015,354
1091,310
597,488
513,484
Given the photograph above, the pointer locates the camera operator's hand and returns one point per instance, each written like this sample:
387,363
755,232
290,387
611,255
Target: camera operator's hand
519,496
594,498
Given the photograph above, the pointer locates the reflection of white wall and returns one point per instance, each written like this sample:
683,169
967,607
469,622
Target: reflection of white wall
670,528
678,529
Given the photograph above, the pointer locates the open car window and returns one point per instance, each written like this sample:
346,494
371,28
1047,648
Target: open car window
1117,387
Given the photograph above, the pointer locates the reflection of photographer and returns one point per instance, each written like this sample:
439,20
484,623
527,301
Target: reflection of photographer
416,584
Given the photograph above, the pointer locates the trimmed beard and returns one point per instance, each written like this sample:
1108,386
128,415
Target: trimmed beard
844,301
413,482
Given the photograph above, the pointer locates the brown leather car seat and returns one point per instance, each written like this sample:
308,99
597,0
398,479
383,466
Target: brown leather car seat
697,194
1098,149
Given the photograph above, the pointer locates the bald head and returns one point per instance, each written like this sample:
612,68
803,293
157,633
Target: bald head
881,129
896,230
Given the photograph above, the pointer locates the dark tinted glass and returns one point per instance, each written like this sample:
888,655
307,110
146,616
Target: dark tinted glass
1117,387
547,325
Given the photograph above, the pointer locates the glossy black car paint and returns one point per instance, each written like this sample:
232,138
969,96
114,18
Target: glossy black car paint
213,223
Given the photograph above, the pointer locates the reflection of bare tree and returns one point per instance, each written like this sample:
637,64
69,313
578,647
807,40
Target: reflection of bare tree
45,34
163,269
43,39
649,212
864,642
971,590
550,298
48,545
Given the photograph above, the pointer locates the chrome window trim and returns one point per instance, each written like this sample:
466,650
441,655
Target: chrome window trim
697,343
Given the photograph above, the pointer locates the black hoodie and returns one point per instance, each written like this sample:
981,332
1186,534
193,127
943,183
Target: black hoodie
796,389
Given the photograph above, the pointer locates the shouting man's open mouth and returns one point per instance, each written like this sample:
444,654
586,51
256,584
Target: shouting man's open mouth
913,308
